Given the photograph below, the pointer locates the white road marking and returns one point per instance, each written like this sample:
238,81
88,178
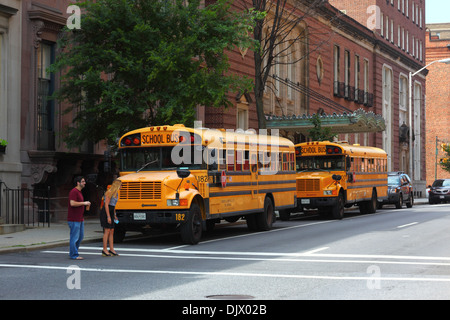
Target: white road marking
312,253
232,274
316,250
407,225
298,260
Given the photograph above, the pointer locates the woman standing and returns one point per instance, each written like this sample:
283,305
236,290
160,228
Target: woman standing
107,217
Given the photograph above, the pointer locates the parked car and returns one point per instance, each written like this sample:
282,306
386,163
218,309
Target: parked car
400,190
439,191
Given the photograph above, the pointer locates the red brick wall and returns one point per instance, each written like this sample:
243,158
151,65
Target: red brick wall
438,106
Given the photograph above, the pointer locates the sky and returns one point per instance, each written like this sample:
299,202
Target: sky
437,11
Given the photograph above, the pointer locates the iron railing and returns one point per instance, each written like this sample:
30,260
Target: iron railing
24,206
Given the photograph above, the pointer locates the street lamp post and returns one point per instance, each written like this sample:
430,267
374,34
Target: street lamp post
446,61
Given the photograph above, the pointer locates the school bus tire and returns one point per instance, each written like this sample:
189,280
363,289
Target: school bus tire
372,204
251,222
337,211
369,206
285,215
191,230
265,219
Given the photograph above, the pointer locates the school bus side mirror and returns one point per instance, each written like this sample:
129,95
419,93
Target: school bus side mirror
336,177
183,173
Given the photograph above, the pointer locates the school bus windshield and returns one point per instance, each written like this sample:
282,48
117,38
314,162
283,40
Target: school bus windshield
328,163
155,159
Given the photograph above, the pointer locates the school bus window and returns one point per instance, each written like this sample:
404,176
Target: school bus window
221,159
239,160
273,162
157,158
246,161
230,160
292,168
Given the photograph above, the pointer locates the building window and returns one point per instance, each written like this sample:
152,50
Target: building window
387,113
242,117
403,38
387,28
392,30
347,73
407,41
45,106
420,18
366,81
336,69
357,71
403,100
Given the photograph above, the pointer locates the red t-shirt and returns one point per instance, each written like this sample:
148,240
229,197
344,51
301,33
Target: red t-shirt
75,213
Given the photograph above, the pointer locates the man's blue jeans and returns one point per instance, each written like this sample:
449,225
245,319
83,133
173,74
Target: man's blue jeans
76,236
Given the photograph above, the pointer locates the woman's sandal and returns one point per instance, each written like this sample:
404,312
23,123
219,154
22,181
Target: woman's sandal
104,254
115,254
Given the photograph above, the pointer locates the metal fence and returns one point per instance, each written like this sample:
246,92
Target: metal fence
24,206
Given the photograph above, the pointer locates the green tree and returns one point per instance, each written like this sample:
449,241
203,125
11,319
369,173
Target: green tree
135,63
318,133
445,162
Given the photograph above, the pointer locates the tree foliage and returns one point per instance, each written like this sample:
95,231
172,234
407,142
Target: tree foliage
136,63
318,133
276,37
445,161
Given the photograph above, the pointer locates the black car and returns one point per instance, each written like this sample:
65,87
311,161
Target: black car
400,190
439,191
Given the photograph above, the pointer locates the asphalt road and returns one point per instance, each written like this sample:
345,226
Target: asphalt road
393,254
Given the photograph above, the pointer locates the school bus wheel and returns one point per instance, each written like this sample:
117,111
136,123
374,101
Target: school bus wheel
265,219
191,230
337,211
285,215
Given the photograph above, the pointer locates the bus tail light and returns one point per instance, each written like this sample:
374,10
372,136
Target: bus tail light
333,150
131,141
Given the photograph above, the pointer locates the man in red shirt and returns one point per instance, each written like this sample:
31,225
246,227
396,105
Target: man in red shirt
75,218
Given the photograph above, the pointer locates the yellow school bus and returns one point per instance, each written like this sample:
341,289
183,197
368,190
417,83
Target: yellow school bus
334,175
192,178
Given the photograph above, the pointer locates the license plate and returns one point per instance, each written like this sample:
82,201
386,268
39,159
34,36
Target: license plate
139,216
304,201
441,197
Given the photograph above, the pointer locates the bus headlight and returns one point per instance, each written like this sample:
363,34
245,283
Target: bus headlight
177,202
327,192
173,202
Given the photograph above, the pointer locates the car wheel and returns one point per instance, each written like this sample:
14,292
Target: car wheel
399,203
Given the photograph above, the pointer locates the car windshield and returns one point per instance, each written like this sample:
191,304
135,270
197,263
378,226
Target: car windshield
393,180
157,158
441,183
329,163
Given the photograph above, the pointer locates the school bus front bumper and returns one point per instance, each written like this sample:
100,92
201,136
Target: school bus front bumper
144,217
312,203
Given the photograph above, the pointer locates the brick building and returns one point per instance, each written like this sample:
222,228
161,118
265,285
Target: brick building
356,56
438,98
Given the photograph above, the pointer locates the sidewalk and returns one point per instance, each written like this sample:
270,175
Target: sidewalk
58,235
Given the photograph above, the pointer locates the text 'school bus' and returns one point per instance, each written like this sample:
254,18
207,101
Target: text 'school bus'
331,176
194,177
